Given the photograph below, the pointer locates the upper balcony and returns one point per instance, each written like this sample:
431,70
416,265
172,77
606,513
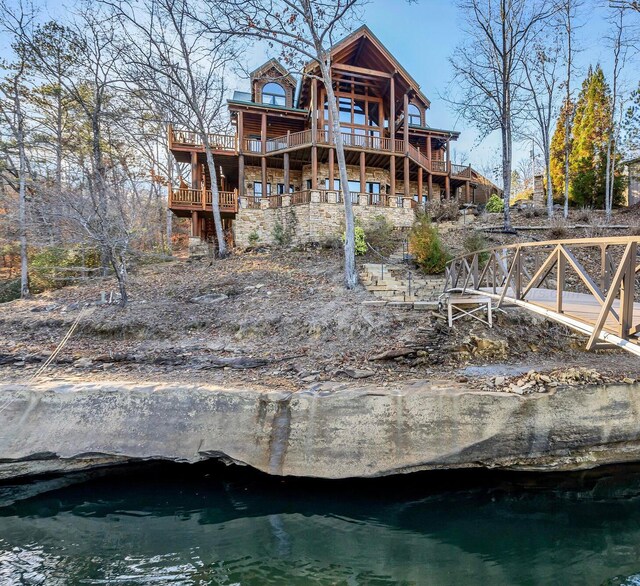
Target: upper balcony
229,144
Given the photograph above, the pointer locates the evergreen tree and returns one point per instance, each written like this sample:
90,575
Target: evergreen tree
558,149
631,126
590,131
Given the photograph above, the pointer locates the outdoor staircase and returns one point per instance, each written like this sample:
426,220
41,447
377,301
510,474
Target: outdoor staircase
397,284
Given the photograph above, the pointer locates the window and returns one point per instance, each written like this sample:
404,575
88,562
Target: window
336,184
415,118
345,110
373,188
308,183
354,186
257,189
274,95
280,189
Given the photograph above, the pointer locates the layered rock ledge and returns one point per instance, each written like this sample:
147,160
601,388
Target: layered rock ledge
328,431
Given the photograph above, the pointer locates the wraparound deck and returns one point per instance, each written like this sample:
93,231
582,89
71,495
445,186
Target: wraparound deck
229,144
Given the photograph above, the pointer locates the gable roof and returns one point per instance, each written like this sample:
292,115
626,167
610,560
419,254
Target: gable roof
364,32
273,63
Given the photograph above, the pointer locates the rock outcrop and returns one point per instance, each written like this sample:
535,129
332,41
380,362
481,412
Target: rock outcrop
329,430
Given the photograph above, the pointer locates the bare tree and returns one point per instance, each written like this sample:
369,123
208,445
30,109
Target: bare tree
181,68
489,69
542,77
620,44
302,29
568,10
13,114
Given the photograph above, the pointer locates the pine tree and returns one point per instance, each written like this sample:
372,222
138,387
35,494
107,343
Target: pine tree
631,126
558,149
590,132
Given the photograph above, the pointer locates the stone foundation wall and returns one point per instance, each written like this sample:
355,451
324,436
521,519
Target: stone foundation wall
310,222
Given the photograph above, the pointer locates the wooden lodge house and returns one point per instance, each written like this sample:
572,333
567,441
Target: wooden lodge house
280,164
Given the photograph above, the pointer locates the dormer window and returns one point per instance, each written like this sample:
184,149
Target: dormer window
274,95
415,116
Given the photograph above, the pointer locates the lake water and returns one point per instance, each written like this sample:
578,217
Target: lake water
207,524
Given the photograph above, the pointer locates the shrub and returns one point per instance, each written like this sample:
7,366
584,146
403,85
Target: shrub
474,242
380,233
253,238
443,210
495,205
9,290
361,244
426,246
558,229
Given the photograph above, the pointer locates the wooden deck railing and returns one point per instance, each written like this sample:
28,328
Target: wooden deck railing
461,171
587,284
218,142
184,197
439,166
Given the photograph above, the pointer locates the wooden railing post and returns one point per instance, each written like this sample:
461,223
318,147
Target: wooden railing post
203,194
627,291
562,263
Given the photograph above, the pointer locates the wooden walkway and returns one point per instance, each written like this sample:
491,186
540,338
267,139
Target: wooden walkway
551,279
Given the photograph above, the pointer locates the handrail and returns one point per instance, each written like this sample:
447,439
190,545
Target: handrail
564,283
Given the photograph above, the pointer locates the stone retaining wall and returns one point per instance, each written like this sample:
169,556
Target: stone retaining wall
310,222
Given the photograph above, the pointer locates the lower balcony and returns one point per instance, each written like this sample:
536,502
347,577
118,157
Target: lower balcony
184,198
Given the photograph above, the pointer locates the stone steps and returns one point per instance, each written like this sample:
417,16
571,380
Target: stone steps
390,286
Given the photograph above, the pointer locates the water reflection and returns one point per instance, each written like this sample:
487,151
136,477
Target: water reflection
204,525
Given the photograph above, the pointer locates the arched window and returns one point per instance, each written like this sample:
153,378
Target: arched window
415,118
274,94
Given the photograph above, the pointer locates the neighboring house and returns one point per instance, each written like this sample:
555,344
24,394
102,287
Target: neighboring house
279,167
632,181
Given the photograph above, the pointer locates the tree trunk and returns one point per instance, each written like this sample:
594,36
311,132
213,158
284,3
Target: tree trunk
215,198
350,274
119,265
24,266
506,171
547,162
169,232
607,183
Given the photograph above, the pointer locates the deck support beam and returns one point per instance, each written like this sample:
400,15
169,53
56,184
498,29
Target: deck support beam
287,174
467,191
447,187
263,133
407,187
392,175
332,170
392,116
314,111
195,171
429,186
263,178
314,167
363,177
419,184
241,185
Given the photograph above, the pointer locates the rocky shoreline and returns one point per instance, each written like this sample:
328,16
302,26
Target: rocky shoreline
331,430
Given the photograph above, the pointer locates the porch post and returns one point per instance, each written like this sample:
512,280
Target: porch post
314,111
263,133
195,171
429,150
331,169
467,192
195,232
448,155
406,177
263,179
429,186
405,133
419,184
314,167
241,175
240,138
363,179
287,179
392,174
392,116
447,187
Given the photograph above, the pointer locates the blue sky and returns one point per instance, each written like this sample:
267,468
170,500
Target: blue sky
422,37
424,34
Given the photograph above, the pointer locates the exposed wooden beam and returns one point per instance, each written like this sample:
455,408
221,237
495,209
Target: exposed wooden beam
361,70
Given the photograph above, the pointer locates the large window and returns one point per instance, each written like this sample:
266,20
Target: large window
336,184
274,94
415,119
257,189
280,189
